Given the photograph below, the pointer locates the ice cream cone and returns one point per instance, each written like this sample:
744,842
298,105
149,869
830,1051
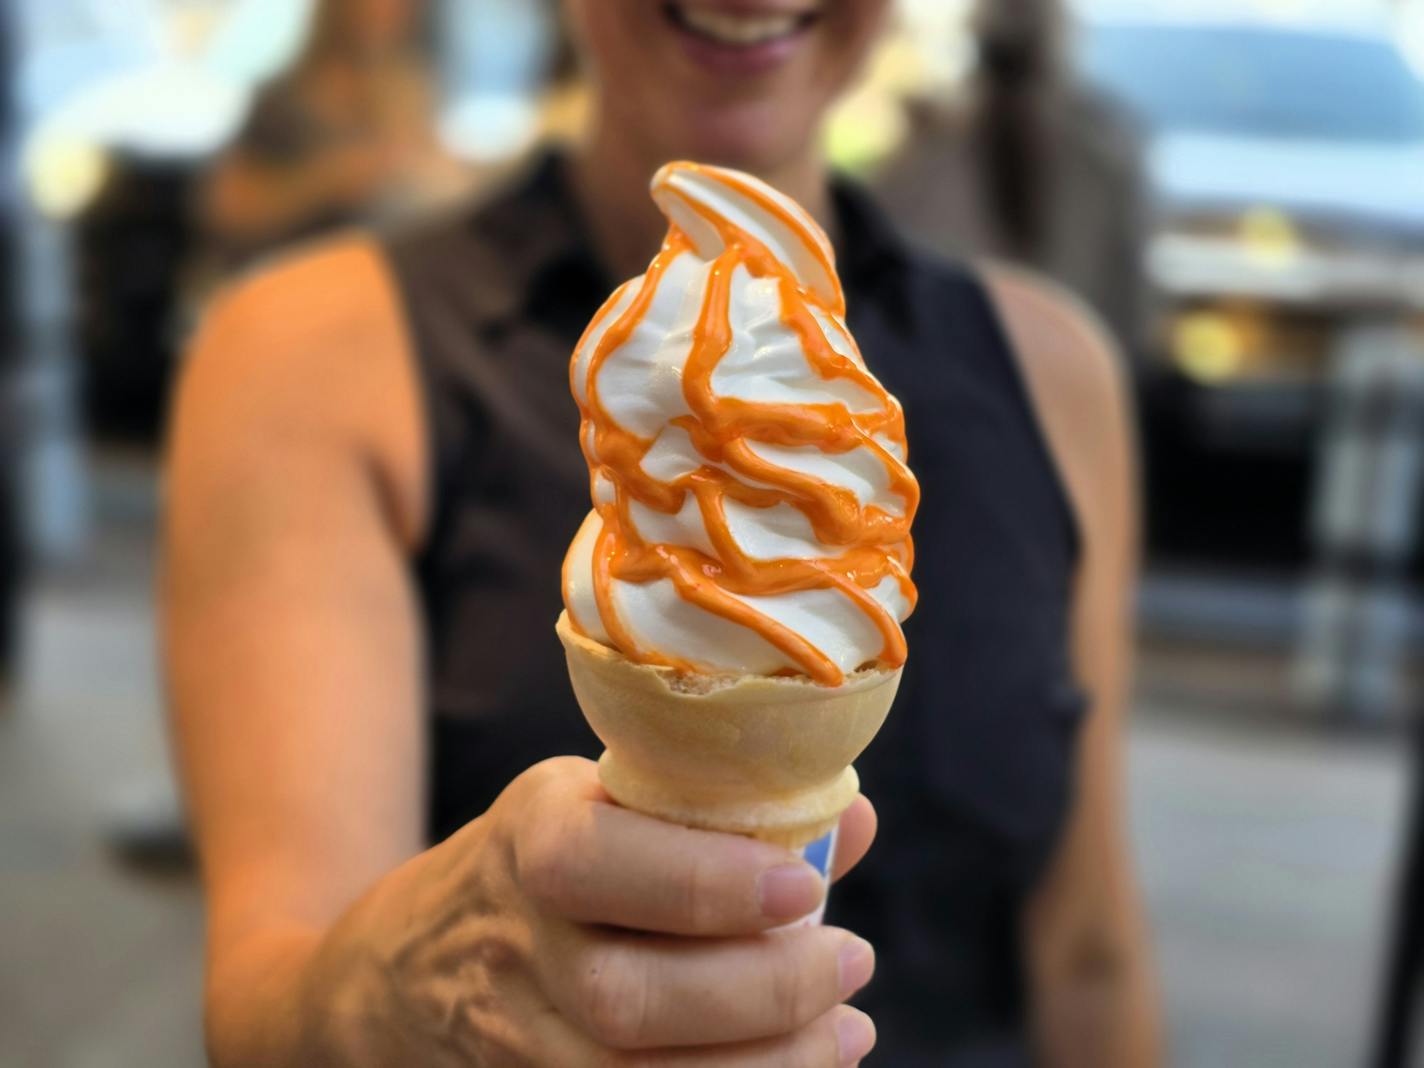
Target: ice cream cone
767,757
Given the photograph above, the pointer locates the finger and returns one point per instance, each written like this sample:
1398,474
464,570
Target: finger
633,993
841,1037
593,862
857,831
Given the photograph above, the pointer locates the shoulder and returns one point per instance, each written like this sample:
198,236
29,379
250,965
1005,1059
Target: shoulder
310,351
320,288
1079,392
303,332
1059,342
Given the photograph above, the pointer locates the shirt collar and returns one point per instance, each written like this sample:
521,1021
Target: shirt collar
866,241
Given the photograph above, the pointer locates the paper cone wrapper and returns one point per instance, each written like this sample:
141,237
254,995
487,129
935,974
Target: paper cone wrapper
748,754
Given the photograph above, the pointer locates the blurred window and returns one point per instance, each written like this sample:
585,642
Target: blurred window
493,56
161,78
1258,82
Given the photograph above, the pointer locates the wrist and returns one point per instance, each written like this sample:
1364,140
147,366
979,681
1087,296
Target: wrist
342,996
348,998
255,1010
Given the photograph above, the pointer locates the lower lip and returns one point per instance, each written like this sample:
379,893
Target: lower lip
740,59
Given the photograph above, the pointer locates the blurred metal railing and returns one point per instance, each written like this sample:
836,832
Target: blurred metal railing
1357,622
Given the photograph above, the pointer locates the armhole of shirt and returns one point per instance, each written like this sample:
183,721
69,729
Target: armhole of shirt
395,253
981,296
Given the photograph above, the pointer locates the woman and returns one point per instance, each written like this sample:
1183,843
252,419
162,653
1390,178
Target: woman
374,476
349,133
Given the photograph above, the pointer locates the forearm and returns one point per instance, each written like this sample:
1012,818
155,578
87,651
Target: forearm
295,997
342,996
257,1004
298,999
1100,1012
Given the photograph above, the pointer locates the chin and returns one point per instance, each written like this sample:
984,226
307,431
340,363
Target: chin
751,139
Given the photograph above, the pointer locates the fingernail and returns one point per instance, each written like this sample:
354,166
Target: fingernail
855,1035
789,891
857,964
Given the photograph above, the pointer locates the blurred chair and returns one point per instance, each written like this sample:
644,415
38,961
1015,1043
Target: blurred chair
1030,166
1359,608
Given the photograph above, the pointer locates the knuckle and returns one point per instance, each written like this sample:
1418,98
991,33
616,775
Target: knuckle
613,996
812,1051
703,906
552,770
816,1047
545,782
820,1043
801,977
791,999
813,1046
546,854
538,861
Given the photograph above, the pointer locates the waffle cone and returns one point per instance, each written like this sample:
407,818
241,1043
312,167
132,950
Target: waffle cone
748,754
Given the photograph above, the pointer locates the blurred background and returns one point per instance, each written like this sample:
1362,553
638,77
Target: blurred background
1238,188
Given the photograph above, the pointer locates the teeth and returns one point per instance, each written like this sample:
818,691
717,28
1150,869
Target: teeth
727,28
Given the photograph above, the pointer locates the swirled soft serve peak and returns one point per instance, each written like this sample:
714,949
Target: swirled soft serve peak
751,501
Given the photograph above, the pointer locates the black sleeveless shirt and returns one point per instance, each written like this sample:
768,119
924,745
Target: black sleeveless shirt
971,774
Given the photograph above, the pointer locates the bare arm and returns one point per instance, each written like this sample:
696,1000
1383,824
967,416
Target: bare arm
294,489
1094,995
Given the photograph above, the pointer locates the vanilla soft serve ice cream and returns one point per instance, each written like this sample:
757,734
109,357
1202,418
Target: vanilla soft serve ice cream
751,501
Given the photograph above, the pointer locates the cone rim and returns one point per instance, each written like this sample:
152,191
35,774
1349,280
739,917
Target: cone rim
718,686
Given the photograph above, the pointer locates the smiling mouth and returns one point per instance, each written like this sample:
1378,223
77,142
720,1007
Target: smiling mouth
732,29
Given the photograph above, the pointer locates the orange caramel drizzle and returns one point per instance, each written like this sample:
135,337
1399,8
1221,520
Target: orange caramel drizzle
876,543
